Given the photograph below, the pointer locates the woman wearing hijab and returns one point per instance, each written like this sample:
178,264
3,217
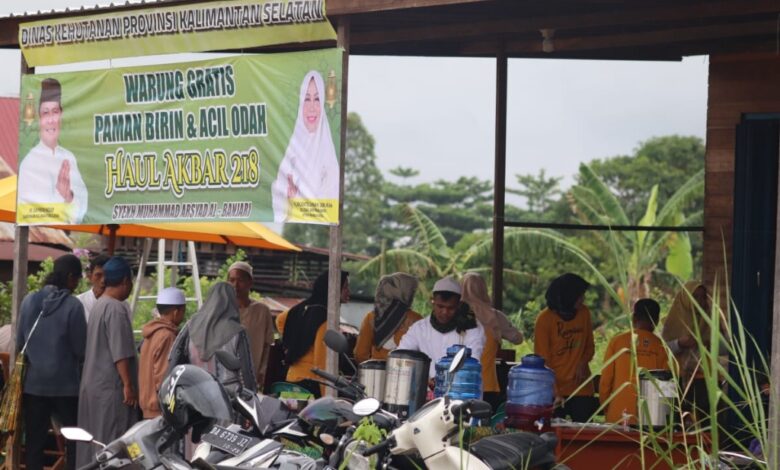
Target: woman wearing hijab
497,327
309,169
682,323
303,333
216,326
563,336
382,329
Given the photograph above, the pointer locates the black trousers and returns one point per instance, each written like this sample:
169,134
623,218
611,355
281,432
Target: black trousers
579,408
38,412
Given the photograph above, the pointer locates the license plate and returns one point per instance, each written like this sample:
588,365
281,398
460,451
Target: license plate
228,441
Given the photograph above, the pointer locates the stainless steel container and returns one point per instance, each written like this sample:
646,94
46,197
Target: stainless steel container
371,374
660,395
406,385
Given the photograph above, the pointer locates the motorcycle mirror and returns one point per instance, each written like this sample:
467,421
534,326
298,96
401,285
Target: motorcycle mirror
76,434
228,360
366,407
336,341
457,361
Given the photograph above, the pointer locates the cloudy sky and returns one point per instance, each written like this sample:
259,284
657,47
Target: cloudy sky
437,115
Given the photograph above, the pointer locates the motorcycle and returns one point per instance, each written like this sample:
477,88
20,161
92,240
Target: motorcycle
430,432
191,400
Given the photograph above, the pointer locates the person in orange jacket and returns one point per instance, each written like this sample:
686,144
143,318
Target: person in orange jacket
159,335
617,388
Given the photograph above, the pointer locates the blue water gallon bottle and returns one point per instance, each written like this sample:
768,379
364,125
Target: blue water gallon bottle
530,395
466,384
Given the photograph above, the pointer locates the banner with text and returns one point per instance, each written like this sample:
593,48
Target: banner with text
254,137
199,27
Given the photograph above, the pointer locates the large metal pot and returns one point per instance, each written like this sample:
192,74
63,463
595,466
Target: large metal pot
660,395
406,385
371,374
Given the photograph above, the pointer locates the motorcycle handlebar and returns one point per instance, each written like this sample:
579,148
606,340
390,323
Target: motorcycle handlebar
472,409
91,466
374,449
326,375
353,389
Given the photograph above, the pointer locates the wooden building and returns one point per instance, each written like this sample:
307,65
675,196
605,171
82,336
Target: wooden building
740,37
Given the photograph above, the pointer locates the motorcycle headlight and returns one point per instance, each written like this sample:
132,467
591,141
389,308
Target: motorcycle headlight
353,455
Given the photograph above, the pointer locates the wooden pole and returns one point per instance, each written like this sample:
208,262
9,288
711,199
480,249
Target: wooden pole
112,228
19,290
499,180
334,250
772,454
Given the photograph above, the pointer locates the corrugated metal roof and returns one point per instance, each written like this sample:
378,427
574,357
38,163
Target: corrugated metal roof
46,235
9,133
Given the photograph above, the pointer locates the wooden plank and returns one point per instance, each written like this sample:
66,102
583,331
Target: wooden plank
654,37
334,247
521,23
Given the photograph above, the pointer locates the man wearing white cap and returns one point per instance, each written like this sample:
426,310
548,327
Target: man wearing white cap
159,335
447,325
255,317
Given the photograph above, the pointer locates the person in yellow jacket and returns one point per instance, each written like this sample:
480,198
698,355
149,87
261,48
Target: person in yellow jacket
497,327
303,330
382,329
563,336
617,387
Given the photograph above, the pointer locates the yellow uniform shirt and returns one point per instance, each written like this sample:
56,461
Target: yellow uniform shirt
563,344
618,377
314,357
364,347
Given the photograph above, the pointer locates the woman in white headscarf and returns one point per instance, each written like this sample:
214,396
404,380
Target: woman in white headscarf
310,169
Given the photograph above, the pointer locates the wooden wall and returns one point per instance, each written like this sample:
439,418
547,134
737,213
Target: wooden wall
745,83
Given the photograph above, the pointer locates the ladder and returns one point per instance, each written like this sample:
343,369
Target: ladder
162,263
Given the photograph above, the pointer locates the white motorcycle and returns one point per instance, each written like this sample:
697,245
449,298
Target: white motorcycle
433,432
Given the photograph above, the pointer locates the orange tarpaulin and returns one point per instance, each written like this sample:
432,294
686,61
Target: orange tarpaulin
8,199
246,234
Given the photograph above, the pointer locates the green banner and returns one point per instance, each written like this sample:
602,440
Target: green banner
226,25
253,137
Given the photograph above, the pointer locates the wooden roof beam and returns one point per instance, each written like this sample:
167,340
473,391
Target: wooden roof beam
625,17
351,7
563,45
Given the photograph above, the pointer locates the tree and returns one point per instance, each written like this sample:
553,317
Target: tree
428,256
539,191
668,161
456,207
364,204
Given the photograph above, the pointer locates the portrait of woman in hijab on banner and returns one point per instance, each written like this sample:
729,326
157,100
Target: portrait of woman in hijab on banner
307,184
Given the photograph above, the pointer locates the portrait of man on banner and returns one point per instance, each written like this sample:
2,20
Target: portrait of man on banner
51,188
307,183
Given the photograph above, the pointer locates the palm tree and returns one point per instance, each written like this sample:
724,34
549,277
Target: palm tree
637,254
427,255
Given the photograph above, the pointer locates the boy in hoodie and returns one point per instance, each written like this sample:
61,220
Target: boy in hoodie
159,335
55,350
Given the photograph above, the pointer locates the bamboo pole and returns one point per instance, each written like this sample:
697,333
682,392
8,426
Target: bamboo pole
334,249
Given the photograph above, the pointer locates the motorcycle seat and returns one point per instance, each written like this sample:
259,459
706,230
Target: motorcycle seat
516,450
